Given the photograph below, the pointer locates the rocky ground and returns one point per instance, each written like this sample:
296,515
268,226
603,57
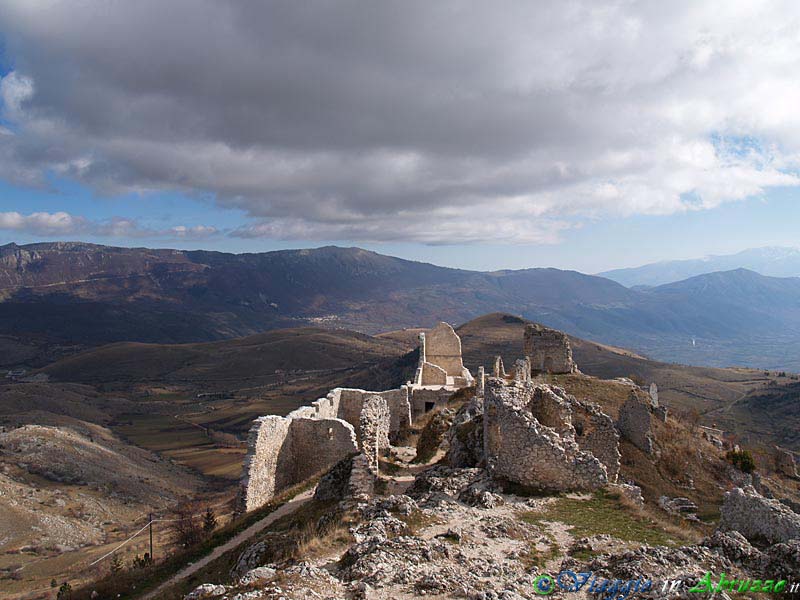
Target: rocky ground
454,534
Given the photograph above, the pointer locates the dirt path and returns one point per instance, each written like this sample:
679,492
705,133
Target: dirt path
232,543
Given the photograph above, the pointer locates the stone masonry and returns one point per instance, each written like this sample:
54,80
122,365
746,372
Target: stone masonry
759,519
548,349
440,362
635,421
374,429
440,371
283,451
499,370
520,448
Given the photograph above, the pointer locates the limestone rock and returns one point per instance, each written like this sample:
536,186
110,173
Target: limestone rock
258,574
207,590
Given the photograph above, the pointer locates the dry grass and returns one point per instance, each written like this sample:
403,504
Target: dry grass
608,513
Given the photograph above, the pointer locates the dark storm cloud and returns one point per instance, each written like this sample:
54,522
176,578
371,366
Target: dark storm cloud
404,120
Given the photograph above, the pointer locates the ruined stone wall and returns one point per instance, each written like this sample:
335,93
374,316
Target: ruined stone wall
431,374
518,448
443,348
635,422
440,360
595,433
549,350
266,456
374,429
757,518
522,370
318,444
499,370
552,410
347,404
424,400
283,451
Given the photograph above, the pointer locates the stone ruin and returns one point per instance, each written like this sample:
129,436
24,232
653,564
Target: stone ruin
440,360
284,451
548,350
635,422
520,430
757,518
785,463
537,436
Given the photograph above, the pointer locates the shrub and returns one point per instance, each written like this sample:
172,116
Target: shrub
742,460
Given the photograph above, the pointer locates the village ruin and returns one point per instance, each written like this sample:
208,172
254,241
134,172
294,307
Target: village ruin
530,433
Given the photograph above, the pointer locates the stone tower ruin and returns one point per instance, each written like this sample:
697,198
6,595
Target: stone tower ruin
549,350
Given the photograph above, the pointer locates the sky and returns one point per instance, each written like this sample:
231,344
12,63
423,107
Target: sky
579,134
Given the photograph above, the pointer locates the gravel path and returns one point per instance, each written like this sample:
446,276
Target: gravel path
232,543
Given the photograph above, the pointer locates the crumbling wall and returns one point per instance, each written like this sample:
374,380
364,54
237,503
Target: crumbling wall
283,451
522,369
267,450
443,349
635,423
440,360
784,462
757,518
373,431
520,449
595,433
318,444
548,349
347,404
552,410
424,400
499,370
431,374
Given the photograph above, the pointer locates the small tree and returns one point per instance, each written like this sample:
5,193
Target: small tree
209,521
142,562
186,528
116,563
64,592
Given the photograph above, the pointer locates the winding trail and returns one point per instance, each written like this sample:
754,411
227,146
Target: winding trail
235,541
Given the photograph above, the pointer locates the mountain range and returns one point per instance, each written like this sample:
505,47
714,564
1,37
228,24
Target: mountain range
62,297
772,261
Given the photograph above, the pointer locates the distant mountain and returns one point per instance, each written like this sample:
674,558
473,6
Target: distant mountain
61,297
772,261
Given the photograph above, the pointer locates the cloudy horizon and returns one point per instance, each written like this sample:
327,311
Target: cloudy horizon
578,134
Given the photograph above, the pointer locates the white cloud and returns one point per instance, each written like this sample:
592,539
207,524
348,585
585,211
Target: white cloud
64,224
431,122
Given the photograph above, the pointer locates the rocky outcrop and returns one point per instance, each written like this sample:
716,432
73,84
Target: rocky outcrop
757,518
